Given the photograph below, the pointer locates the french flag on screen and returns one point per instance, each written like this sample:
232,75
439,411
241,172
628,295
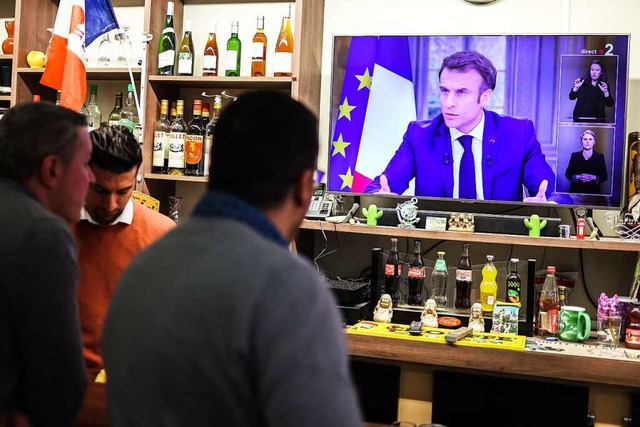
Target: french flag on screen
376,104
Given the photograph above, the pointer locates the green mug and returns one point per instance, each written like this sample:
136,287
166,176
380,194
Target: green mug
575,324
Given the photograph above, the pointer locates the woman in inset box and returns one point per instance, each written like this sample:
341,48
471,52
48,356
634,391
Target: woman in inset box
587,168
592,94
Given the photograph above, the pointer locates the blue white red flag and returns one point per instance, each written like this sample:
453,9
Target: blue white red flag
376,104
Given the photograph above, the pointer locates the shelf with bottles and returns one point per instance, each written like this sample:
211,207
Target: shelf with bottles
92,73
181,178
5,57
612,244
224,82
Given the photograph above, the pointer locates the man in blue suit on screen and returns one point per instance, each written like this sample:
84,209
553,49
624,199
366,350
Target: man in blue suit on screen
468,152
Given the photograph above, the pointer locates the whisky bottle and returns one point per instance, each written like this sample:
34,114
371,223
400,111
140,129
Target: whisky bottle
210,56
259,51
177,134
161,140
234,52
167,45
193,153
94,115
208,136
283,58
114,116
185,55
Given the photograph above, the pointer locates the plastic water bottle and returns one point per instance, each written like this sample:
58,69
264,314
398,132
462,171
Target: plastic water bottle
439,278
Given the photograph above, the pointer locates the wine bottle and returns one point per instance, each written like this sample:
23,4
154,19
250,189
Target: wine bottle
210,55
114,116
283,58
167,45
94,116
259,51
177,134
185,55
208,138
193,155
234,52
161,140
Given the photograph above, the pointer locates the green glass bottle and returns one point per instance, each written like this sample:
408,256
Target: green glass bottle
185,55
167,45
114,116
234,52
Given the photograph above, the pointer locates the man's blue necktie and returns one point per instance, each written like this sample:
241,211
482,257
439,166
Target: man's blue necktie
467,183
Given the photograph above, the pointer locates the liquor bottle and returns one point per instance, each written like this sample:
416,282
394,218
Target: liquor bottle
283,58
114,116
464,280
488,286
161,140
193,155
167,45
234,52
210,55
85,112
514,282
439,277
129,113
416,274
93,109
177,133
392,272
208,136
548,305
185,55
259,51
632,328
562,296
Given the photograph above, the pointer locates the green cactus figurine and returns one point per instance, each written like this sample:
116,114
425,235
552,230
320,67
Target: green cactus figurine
372,214
535,225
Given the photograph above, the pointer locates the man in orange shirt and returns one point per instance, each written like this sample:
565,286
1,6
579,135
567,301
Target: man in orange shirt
112,230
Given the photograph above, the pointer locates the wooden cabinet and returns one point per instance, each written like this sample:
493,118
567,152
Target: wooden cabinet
33,17
7,12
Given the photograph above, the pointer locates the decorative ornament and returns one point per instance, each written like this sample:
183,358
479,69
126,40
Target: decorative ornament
534,225
372,214
408,214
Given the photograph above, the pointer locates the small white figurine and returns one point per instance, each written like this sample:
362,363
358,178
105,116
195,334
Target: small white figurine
429,316
476,321
384,310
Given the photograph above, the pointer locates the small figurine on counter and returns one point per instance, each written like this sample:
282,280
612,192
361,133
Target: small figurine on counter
415,328
372,214
408,214
476,321
535,225
461,222
384,310
429,316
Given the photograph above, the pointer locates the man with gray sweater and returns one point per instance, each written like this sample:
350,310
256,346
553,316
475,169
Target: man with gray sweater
218,323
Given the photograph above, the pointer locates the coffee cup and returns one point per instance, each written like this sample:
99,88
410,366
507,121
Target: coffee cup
575,323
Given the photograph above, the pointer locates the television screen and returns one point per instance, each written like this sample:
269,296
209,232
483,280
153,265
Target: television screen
515,118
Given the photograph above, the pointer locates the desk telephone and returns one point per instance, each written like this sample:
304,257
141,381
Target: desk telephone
319,207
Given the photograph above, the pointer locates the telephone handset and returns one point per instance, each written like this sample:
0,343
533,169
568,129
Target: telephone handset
319,207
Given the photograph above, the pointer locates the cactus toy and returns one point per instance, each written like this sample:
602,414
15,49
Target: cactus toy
372,214
535,225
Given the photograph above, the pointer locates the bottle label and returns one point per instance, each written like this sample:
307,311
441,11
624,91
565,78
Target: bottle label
513,291
168,30
209,62
464,275
257,51
159,141
176,150
282,62
632,335
416,273
549,321
185,63
230,59
192,149
389,269
166,58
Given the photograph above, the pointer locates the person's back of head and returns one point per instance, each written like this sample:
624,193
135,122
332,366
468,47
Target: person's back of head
466,60
262,144
30,132
115,149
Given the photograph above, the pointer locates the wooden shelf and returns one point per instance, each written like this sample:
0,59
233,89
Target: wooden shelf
5,97
556,367
609,244
181,178
5,57
225,82
92,73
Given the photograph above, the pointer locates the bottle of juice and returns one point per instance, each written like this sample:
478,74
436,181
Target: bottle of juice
488,286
